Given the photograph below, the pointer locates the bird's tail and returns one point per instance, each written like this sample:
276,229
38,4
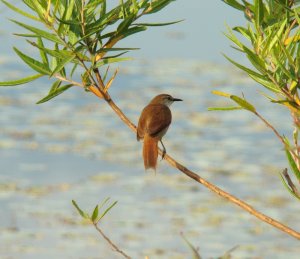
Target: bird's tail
150,152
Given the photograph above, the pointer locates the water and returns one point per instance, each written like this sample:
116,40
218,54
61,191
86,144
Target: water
74,147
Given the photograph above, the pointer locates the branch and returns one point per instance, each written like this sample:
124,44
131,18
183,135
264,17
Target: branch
269,125
207,184
110,242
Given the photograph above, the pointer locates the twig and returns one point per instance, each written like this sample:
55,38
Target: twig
269,125
68,80
207,184
110,242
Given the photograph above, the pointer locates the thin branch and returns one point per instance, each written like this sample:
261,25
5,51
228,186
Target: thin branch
269,125
68,80
110,242
207,184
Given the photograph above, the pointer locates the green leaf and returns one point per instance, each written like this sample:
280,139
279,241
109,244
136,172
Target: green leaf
245,32
55,86
61,64
95,213
157,24
55,93
243,103
275,38
229,108
132,30
107,210
104,202
21,81
81,212
255,60
36,7
17,10
58,53
267,83
259,13
42,53
34,64
156,6
235,4
124,25
39,32
111,60
114,49
220,93
247,70
292,164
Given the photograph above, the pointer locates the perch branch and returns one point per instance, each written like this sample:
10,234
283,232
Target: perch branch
207,184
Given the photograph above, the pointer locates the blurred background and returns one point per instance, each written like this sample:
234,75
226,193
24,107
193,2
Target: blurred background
74,147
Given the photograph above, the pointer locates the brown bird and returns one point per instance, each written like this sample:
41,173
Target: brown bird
153,124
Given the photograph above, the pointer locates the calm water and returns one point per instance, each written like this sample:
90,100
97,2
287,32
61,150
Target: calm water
76,148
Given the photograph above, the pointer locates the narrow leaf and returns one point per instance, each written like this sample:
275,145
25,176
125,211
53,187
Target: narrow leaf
247,70
243,103
55,86
157,24
34,64
259,12
111,60
55,93
292,164
81,212
235,4
42,53
107,210
61,64
17,10
220,93
39,32
229,108
21,81
95,213
156,6
268,84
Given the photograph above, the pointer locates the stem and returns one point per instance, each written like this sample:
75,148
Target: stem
209,185
110,242
269,125
68,80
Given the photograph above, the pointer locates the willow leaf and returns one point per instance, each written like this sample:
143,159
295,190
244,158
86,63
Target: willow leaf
157,24
228,108
21,81
39,32
111,60
61,64
34,64
17,10
55,93
243,103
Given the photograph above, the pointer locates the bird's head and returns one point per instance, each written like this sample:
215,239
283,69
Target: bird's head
165,99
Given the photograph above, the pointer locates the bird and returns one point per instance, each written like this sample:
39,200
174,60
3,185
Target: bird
153,124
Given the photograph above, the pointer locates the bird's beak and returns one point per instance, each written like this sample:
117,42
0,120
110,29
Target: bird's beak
176,100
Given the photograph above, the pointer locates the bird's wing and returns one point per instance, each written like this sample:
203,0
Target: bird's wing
159,120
